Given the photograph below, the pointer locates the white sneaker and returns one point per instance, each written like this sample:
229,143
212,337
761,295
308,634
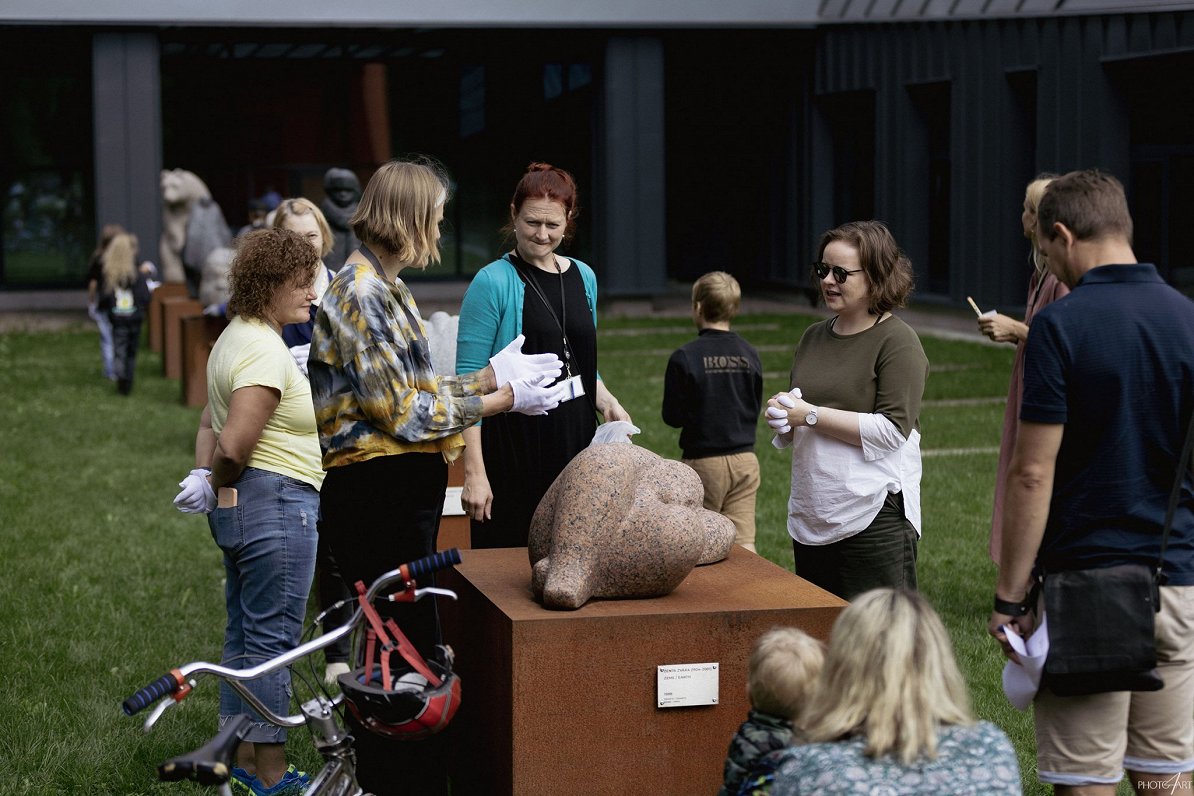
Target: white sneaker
333,672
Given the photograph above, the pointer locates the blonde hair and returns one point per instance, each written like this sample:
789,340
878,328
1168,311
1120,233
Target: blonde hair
719,295
397,210
889,675
1032,201
784,666
289,208
120,261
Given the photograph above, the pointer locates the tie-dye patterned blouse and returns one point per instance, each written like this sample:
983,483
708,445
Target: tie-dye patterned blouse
372,381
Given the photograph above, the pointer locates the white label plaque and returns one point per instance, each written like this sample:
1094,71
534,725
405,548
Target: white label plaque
684,684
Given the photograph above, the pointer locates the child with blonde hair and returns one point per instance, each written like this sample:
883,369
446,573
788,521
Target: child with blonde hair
784,666
713,392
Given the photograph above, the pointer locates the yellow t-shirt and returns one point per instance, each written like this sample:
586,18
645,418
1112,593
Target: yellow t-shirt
249,353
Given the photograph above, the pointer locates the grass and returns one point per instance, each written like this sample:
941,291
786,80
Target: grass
105,585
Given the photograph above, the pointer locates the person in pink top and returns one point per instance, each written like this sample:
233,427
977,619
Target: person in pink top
1043,289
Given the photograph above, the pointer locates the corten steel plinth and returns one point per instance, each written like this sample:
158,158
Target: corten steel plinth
454,530
565,701
173,311
199,334
163,292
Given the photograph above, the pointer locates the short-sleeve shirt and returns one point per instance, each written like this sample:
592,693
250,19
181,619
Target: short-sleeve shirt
251,354
1114,363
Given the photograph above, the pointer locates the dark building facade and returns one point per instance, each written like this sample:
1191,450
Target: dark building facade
696,146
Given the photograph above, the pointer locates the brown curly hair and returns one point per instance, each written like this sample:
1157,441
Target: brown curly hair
267,259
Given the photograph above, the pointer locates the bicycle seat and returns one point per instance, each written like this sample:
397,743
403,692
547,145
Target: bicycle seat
210,764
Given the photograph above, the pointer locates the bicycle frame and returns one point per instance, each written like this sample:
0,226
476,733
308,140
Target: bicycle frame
338,775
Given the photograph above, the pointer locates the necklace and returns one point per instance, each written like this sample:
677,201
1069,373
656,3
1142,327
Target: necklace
562,322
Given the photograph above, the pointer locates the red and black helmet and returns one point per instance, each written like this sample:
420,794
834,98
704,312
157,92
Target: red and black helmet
414,706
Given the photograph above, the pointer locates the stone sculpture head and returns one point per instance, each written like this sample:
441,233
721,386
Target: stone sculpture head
342,187
619,522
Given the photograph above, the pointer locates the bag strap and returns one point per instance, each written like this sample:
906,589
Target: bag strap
1182,462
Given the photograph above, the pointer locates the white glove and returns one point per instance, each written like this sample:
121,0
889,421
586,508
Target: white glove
196,496
531,398
300,354
214,310
778,418
511,365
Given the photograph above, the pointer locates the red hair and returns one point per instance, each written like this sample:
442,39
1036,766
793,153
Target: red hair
545,181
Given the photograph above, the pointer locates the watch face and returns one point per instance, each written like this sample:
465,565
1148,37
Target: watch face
811,419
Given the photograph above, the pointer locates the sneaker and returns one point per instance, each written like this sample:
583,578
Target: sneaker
242,782
333,671
292,783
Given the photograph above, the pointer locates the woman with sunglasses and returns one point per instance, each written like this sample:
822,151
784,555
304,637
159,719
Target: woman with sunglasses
852,420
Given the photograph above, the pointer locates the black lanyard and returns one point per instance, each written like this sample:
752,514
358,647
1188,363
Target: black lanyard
530,282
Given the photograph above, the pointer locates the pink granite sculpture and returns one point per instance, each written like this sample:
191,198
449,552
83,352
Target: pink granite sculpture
619,522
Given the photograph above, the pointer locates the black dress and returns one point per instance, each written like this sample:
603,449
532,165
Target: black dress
524,454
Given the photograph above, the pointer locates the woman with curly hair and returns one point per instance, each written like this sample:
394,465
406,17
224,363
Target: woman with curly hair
257,448
852,419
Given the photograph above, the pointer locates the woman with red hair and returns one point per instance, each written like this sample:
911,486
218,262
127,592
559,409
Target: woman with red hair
551,301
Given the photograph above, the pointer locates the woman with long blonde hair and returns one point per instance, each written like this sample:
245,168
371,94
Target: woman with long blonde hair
123,295
891,712
1043,289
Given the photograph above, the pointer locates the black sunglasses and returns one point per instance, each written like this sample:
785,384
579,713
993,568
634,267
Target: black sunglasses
821,270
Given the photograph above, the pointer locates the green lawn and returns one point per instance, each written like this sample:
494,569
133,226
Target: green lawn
105,585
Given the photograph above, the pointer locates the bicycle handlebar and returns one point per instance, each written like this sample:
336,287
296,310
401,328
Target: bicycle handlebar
432,563
166,684
171,683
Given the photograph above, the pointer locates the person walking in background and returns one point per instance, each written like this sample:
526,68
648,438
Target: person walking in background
1108,397
852,419
783,670
257,477
548,303
94,275
388,426
890,714
122,296
1043,289
713,392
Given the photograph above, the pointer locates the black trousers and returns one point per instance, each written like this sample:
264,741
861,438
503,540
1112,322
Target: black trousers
126,339
376,515
883,554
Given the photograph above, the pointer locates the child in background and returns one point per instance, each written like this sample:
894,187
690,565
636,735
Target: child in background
123,295
713,392
784,666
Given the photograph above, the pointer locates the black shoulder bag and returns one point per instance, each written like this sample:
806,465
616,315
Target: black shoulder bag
1102,622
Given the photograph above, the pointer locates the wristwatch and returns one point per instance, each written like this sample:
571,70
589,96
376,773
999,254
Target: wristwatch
811,418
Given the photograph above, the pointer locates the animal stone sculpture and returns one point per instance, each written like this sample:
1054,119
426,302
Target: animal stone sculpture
619,522
193,226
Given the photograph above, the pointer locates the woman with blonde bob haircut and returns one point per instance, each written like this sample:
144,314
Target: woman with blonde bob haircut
389,425
891,709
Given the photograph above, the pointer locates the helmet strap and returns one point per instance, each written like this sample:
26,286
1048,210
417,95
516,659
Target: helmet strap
392,640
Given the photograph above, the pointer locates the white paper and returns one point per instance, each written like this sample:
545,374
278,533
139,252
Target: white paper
685,684
1022,681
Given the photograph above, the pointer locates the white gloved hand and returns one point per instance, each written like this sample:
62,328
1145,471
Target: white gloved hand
511,365
300,354
778,418
197,496
214,310
531,397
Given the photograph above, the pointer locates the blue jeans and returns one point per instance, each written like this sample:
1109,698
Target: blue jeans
269,540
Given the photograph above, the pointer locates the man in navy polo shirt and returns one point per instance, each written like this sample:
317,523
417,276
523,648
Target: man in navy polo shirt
1108,395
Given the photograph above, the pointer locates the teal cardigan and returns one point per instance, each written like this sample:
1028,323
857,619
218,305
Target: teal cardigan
491,313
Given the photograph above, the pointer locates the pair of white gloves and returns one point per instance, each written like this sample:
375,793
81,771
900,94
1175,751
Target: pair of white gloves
778,418
530,376
197,496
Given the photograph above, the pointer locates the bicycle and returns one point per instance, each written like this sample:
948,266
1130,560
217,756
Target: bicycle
211,764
